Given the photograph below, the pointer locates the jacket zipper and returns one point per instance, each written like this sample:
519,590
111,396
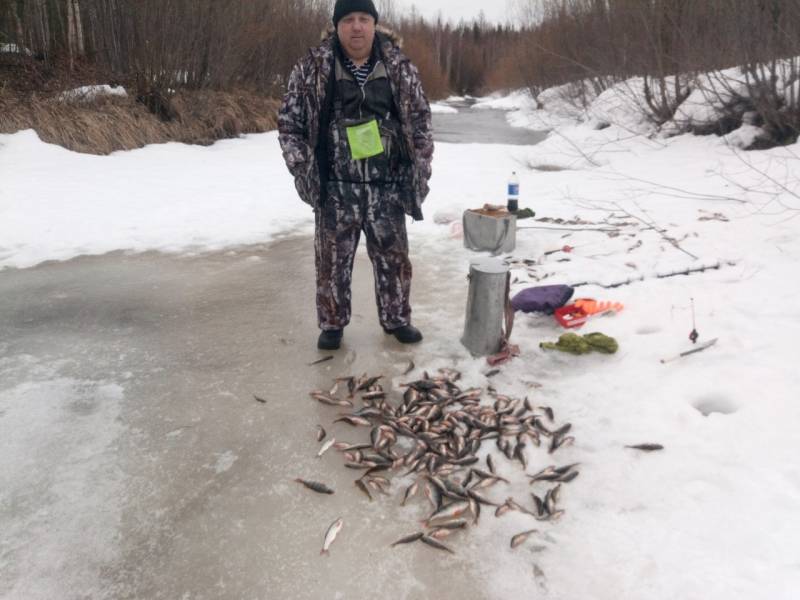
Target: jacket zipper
363,93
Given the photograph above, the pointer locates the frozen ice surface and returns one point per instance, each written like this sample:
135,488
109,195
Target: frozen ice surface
60,484
135,462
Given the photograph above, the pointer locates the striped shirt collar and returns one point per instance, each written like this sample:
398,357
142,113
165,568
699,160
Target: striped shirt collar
360,73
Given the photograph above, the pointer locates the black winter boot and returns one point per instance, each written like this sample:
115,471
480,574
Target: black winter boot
406,334
330,339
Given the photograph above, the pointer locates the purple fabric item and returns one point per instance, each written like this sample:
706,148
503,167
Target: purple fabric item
543,298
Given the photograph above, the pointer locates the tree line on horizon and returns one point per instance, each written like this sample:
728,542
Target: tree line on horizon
252,44
232,43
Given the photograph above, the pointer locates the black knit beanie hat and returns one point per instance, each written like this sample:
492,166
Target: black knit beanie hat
345,7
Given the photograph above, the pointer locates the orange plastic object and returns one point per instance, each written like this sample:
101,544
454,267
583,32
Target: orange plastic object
593,307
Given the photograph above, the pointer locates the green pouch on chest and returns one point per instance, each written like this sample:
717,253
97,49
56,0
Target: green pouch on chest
365,140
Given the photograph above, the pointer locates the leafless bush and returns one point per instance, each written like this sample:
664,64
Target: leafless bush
419,46
171,43
670,44
108,124
469,58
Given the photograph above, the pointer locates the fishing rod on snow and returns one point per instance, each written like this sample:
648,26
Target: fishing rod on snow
631,280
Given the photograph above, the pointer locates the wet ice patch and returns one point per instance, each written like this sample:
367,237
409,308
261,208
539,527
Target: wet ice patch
59,486
176,433
224,462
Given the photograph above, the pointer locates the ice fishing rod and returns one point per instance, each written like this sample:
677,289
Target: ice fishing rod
632,280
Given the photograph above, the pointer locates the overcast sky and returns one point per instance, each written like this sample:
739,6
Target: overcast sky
499,11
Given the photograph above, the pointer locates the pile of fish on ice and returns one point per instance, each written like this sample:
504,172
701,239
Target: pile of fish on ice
435,435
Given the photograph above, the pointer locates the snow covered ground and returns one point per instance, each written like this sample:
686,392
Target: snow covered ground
87,93
442,108
14,49
516,100
56,204
713,516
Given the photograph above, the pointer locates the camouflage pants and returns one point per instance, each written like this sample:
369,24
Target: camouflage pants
377,210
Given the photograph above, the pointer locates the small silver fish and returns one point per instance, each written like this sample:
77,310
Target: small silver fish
502,509
355,421
431,494
490,463
326,446
440,534
488,482
550,499
521,537
408,539
363,487
315,486
329,401
453,524
519,454
412,489
541,509
480,498
647,447
566,478
448,513
331,534
546,474
433,543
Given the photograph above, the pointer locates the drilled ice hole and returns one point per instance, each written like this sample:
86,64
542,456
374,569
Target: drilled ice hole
715,404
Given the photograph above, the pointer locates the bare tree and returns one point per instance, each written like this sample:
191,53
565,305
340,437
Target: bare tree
75,42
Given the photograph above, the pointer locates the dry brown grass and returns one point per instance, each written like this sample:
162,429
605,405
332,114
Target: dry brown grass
108,124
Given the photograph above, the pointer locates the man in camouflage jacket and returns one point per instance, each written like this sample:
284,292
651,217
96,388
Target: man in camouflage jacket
356,76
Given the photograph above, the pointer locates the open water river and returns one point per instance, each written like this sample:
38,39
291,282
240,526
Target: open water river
471,126
136,464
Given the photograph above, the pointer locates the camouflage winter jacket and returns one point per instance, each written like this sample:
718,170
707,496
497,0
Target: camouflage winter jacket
299,119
